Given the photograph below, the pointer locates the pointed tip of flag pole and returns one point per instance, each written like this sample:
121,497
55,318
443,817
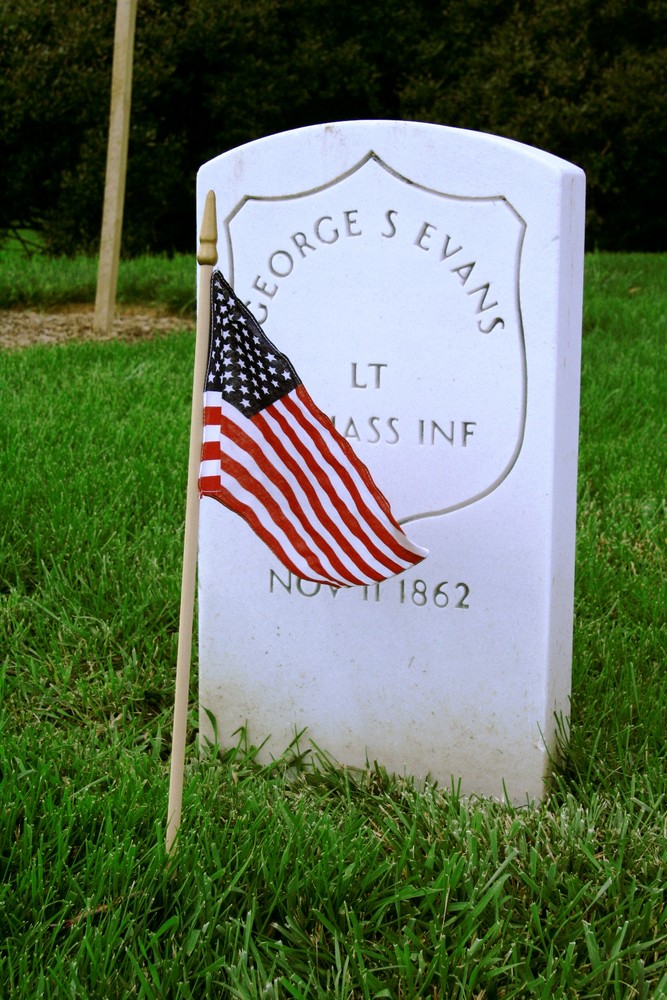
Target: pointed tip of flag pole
208,234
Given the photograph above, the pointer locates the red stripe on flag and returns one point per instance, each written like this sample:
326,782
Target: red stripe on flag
330,431
208,486
251,485
210,451
212,414
364,524
273,473
227,499
361,470
325,483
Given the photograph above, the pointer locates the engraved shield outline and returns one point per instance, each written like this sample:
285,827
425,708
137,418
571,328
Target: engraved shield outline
371,156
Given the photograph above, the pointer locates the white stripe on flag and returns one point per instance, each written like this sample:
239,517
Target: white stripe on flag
333,492
287,472
248,491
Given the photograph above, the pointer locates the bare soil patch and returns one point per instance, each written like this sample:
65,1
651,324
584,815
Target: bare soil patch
25,327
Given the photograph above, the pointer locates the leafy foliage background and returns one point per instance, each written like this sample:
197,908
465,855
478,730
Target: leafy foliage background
585,79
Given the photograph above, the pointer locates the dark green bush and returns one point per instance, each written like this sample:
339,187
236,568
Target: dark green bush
585,80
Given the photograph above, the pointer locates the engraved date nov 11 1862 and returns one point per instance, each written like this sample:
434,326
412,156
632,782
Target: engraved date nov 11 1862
414,591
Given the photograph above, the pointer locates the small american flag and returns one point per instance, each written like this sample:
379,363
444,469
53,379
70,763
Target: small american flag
272,456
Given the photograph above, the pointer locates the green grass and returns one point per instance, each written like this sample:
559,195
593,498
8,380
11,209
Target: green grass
290,883
40,282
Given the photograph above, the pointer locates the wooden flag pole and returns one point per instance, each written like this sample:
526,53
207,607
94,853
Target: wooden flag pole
206,258
114,188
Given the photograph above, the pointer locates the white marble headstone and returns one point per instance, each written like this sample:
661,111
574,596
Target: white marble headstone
426,283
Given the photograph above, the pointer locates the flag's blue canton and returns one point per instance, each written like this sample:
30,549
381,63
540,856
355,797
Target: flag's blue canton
243,364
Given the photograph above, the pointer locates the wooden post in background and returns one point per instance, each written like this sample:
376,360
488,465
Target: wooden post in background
207,257
114,189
